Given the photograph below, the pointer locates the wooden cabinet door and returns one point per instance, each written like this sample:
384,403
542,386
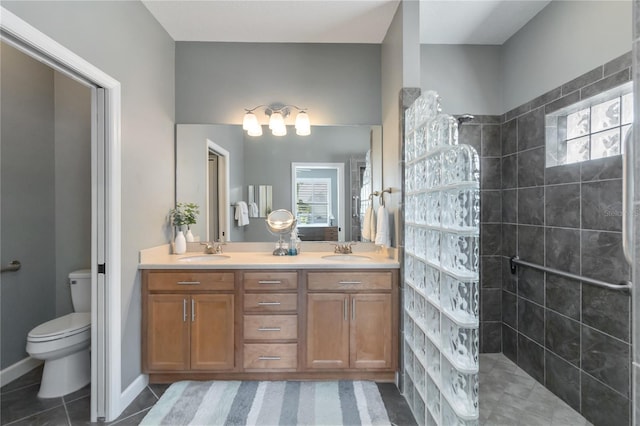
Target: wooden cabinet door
212,318
167,332
327,331
370,331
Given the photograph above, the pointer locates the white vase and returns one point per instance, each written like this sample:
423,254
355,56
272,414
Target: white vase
189,236
180,243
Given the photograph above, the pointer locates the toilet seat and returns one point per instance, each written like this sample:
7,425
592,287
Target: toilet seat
60,328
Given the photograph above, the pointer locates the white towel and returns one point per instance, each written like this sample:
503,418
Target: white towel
242,213
253,210
369,224
382,233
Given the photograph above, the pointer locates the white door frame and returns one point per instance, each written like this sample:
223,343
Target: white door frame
224,209
108,322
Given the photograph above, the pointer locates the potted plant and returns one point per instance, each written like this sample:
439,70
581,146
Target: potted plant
184,214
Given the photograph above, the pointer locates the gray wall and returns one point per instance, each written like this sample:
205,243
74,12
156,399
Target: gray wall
191,169
467,77
27,187
563,41
339,83
126,42
73,184
571,336
636,266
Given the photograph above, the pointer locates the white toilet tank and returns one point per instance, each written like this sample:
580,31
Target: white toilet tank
80,282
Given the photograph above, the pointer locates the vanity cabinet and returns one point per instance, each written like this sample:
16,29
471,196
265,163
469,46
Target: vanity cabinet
350,320
188,321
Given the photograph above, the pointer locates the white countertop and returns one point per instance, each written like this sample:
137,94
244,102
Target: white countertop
237,256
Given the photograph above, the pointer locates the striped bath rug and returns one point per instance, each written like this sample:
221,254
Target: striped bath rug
269,403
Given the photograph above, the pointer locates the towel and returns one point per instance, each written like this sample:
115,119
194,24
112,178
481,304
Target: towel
382,233
369,224
253,210
242,213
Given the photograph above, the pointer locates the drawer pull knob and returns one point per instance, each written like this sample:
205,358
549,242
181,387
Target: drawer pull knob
269,358
350,282
188,282
269,282
269,329
268,303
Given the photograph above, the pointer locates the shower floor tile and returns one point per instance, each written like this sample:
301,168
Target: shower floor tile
509,396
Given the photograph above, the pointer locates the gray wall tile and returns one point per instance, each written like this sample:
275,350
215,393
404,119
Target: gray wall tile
563,249
565,100
491,304
531,320
602,205
491,340
510,171
562,336
606,83
510,343
491,140
491,271
490,239
491,206
563,296
607,359
601,405
546,98
510,205
602,168
567,173
470,133
602,256
618,64
531,206
562,205
509,137
510,309
531,243
531,167
606,310
531,130
563,379
584,80
531,358
516,112
490,173
531,284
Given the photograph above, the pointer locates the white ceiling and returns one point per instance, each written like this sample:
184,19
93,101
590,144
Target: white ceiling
339,21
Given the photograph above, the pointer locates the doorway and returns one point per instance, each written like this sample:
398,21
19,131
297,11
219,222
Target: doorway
214,213
105,206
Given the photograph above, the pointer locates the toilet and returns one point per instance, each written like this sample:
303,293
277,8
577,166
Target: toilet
63,343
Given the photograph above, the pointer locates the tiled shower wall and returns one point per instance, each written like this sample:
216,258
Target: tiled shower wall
572,337
483,133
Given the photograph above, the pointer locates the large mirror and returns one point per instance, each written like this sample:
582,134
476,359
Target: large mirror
220,167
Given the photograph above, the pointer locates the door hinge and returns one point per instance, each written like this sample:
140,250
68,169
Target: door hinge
102,268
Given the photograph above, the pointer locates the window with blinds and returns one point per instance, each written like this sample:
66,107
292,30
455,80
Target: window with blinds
313,206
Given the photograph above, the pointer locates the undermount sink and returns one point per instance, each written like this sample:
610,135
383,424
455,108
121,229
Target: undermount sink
203,258
346,257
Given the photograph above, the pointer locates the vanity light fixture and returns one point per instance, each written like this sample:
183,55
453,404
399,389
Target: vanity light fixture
277,114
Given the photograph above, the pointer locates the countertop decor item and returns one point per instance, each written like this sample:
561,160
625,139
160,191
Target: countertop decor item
281,222
184,214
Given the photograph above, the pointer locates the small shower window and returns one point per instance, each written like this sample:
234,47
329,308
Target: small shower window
593,128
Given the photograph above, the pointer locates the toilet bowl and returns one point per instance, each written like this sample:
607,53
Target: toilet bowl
63,344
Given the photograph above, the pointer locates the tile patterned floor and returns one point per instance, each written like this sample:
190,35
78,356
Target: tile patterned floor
509,396
20,405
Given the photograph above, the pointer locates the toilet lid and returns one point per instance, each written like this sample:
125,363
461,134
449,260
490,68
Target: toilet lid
58,328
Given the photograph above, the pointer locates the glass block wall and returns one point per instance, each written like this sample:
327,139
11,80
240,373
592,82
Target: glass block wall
441,263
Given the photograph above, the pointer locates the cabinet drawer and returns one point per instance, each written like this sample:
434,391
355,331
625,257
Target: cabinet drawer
270,327
349,281
270,302
270,356
270,280
186,281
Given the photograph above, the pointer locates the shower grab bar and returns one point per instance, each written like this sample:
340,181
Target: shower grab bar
515,260
627,198
13,266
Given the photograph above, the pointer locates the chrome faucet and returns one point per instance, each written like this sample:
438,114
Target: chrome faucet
344,248
213,247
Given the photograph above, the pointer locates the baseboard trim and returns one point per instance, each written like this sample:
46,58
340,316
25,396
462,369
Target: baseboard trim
18,369
132,391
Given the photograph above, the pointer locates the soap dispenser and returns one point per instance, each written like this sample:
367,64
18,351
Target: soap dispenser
293,243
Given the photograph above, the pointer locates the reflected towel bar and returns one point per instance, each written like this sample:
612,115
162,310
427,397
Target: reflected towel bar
515,260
